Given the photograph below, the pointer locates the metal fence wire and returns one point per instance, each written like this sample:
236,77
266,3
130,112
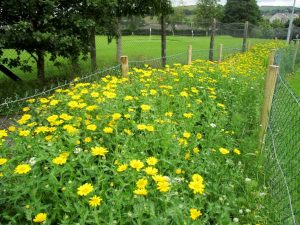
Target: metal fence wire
282,146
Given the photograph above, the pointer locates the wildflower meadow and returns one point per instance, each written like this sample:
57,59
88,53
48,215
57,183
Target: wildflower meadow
162,146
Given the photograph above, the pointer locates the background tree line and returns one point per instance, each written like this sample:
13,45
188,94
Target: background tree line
63,28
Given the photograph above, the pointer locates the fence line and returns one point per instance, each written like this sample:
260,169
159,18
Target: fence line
281,145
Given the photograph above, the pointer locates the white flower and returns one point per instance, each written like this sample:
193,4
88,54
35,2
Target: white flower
236,220
248,210
241,211
248,179
32,161
262,194
77,150
213,125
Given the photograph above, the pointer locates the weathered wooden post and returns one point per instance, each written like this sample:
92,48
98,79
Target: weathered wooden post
124,66
212,40
220,53
248,45
272,57
190,54
270,84
163,41
245,36
295,54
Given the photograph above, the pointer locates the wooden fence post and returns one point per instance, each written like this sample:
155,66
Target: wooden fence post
212,40
124,66
272,57
295,54
270,84
245,36
248,45
220,53
190,54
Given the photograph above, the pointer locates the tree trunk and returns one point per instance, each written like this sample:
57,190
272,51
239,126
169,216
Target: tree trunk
93,50
163,41
119,42
41,65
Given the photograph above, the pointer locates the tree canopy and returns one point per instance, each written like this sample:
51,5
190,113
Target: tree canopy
241,11
207,10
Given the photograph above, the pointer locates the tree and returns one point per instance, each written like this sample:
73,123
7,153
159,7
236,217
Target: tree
47,28
296,22
207,10
241,11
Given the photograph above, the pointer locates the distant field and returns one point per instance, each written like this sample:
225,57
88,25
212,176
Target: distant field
137,48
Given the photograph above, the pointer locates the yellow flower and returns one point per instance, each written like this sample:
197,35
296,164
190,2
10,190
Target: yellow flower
197,184
187,135
136,164
65,117
108,130
141,183
188,115
163,186
196,150
224,151
91,108
95,94
116,116
128,98
195,213
25,109
140,191
24,133
40,218
3,161
178,171
169,114
127,131
85,189
145,108
70,129
236,151
151,171
91,127
22,169
87,140
12,128
141,127
151,161
199,136
184,94
3,133
24,119
59,160
150,128
221,105
54,102
95,201
99,151
122,167
52,119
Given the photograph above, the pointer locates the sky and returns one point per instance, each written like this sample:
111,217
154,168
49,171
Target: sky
260,2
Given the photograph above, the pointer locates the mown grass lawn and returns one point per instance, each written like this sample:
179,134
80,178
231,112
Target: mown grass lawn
136,47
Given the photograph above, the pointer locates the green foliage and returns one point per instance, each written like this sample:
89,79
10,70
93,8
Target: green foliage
207,10
296,22
204,119
241,11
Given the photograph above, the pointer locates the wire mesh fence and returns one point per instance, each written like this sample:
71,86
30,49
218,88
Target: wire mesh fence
282,146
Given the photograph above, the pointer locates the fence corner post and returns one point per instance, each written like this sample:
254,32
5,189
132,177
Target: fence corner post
248,45
270,83
220,53
124,66
190,54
